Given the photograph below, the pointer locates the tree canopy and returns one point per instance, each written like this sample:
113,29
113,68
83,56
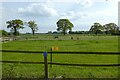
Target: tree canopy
96,28
15,25
64,25
33,26
111,28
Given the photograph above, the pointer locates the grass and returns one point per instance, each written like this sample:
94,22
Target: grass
107,45
33,71
84,44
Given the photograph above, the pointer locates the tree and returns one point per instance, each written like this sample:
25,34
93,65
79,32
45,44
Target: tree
96,28
33,26
64,25
15,25
111,28
49,32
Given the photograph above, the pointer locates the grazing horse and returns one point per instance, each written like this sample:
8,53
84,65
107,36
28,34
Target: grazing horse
71,38
77,38
56,37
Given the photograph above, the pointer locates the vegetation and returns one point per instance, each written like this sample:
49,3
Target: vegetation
15,25
84,44
64,25
33,26
111,28
37,71
72,42
96,28
3,33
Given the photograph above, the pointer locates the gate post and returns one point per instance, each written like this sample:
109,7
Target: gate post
51,58
46,64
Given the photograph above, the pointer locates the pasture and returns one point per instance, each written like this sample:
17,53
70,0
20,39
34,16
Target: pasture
45,42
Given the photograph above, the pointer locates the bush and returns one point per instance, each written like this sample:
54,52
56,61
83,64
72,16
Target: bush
116,33
4,33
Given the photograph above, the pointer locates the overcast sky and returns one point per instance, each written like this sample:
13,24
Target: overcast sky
82,13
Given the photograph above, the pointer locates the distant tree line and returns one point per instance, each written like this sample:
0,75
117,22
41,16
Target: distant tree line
64,26
78,32
110,28
96,28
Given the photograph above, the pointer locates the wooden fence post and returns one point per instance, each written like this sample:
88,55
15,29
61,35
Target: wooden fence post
46,64
51,58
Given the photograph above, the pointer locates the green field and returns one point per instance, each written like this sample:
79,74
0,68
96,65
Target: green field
84,44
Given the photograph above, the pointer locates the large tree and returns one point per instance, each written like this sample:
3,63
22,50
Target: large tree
64,25
111,28
96,28
15,25
33,26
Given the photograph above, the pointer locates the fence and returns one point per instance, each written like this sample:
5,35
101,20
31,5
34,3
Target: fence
54,63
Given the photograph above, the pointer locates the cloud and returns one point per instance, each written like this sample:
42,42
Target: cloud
75,15
38,9
1,13
86,3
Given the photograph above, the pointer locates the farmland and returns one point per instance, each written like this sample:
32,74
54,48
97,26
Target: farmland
45,42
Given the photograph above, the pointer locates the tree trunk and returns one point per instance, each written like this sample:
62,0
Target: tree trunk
106,32
33,32
64,33
15,31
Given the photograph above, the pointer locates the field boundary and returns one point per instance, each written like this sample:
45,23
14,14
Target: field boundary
65,52
56,63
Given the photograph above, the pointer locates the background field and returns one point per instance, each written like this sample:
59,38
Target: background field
44,43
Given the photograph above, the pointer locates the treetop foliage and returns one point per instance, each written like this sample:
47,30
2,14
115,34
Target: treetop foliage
64,25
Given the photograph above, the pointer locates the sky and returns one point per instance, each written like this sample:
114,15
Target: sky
82,13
